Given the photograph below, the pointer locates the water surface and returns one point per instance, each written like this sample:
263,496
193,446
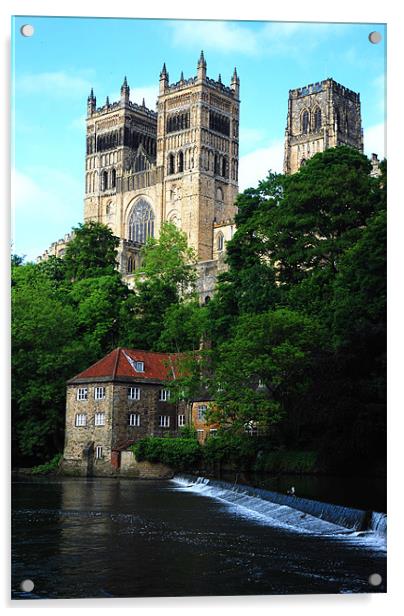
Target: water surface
93,537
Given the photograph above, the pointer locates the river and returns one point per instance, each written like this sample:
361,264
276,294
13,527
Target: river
78,537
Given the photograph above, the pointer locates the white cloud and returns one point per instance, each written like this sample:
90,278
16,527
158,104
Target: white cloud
374,140
46,204
215,35
58,83
255,165
148,93
269,38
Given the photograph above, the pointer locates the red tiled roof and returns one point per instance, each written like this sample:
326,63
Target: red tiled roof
120,363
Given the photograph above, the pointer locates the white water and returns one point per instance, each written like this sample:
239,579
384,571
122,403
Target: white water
283,516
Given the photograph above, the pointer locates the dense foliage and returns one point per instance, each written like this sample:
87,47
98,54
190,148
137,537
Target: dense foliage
293,343
179,453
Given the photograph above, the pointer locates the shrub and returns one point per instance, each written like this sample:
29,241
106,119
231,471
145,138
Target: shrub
48,467
231,448
287,462
179,453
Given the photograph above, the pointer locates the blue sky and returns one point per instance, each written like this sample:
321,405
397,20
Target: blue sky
54,70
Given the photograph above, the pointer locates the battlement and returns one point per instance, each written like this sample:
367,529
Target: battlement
115,106
319,86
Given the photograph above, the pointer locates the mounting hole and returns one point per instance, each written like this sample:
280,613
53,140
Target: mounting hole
375,37
27,586
375,579
27,30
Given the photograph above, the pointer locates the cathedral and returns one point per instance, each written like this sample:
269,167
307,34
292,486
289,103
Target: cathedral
179,162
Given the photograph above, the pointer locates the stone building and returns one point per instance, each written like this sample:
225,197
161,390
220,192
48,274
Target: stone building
178,164
115,402
321,115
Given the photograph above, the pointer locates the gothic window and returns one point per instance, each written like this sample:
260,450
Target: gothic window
220,242
113,178
317,119
130,265
180,162
219,194
303,162
141,222
305,122
337,119
171,165
217,165
224,167
104,180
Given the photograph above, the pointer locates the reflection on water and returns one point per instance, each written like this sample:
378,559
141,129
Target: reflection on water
128,538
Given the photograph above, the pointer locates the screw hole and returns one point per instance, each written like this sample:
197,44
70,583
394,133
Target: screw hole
375,579
27,30
375,37
27,586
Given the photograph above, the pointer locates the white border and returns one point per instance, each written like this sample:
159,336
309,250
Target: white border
362,11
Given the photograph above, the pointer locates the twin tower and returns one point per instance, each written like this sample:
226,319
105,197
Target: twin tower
180,163
177,164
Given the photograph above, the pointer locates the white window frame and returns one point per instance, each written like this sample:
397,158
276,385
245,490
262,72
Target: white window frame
82,393
202,408
135,422
98,452
133,393
181,421
164,421
139,366
99,393
164,395
80,420
213,431
99,419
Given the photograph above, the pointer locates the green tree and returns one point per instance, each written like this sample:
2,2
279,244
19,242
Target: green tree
262,368
45,353
166,279
92,251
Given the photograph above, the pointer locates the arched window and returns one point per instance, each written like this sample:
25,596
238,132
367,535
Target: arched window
337,119
171,169
180,162
219,194
141,222
113,178
104,180
302,162
224,167
130,265
305,122
220,241
317,119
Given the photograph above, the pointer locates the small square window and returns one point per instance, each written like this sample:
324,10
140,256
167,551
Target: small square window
164,395
164,421
81,420
139,366
99,393
202,412
133,393
134,419
82,393
99,419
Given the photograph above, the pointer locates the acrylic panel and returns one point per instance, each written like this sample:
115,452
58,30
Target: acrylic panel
198,317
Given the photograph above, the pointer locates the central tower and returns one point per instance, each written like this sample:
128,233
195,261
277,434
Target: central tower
197,146
177,164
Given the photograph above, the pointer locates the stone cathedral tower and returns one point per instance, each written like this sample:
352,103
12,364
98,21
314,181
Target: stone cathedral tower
321,115
178,163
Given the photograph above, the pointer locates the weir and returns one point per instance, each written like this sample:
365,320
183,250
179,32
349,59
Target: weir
292,511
